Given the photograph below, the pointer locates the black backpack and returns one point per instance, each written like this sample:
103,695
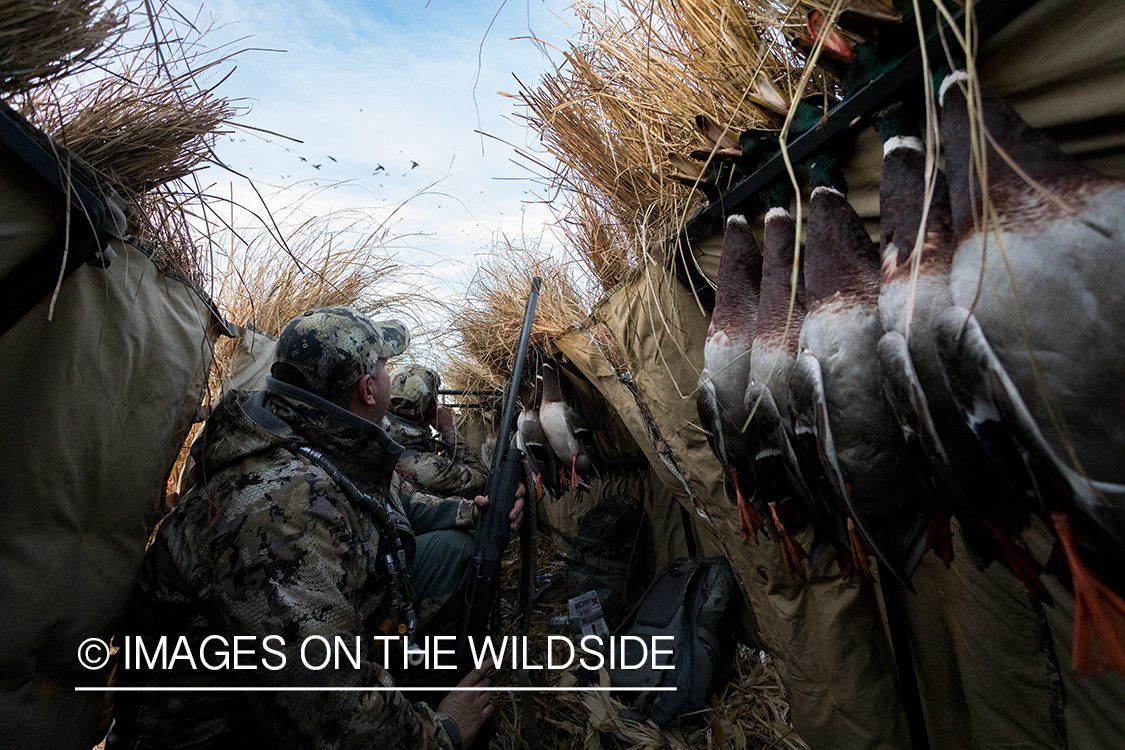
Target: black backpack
691,600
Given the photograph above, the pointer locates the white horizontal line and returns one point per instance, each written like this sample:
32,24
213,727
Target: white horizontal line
367,689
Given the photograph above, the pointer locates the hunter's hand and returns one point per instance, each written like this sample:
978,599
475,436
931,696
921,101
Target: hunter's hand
442,420
470,709
516,516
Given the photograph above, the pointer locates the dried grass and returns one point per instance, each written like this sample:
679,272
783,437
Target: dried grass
626,97
144,125
44,40
337,259
489,322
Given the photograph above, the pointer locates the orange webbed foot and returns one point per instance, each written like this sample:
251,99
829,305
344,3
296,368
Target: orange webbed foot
1022,565
791,550
1099,613
749,522
861,556
939,535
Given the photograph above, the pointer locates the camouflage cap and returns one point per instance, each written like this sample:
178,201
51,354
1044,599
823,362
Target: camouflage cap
333,347
414,392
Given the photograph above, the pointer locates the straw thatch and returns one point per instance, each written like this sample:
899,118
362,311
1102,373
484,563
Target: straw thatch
489,322
338,259
140,130
626,97
143,125
44,40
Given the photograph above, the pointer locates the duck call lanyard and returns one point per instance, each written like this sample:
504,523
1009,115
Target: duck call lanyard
393,558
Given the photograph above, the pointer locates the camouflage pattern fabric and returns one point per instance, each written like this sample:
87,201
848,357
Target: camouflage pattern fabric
333,347
414,392
444,467
266,544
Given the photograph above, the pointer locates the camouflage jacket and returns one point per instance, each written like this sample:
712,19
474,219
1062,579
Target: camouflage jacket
267,544
436,478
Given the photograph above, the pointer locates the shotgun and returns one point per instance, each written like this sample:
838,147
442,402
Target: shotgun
492,526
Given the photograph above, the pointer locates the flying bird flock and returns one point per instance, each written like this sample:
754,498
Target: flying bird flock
972,366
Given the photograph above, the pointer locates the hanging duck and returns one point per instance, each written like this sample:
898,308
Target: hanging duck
780,484
915,289
566,432
532,440
726,366
836,389
1038,368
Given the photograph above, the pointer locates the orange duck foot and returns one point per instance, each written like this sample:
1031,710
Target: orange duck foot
791,550
539,486
939,536
574,471
749,522
1022,565
1099,613
861,557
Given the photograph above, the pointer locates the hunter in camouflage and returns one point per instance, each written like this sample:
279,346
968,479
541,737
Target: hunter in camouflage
434,472
267,544
438,481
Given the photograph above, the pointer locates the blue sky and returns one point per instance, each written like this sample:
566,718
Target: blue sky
370,84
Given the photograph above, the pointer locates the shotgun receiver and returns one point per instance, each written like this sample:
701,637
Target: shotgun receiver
492,527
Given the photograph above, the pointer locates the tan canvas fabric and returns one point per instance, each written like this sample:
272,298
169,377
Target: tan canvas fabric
1093,715
839,678
661,537
986,671
96,404
253,356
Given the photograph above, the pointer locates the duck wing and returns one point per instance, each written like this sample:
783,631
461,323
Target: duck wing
779,475
811,421
998,416
1088,516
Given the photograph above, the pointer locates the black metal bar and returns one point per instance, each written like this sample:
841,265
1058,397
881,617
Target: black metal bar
991,16
904,663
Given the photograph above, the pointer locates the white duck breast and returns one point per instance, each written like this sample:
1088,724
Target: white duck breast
1071,282
560,422
1067,264
844,338
556,419
775,343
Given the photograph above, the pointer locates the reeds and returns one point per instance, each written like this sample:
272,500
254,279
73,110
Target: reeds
44,40
626,96
336,259
489,322
144,120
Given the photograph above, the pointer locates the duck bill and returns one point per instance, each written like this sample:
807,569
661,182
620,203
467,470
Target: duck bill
833,40
767,96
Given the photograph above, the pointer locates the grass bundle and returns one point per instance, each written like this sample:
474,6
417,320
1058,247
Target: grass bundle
44,40
626,97
489,322
148,123
337,259
143,125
